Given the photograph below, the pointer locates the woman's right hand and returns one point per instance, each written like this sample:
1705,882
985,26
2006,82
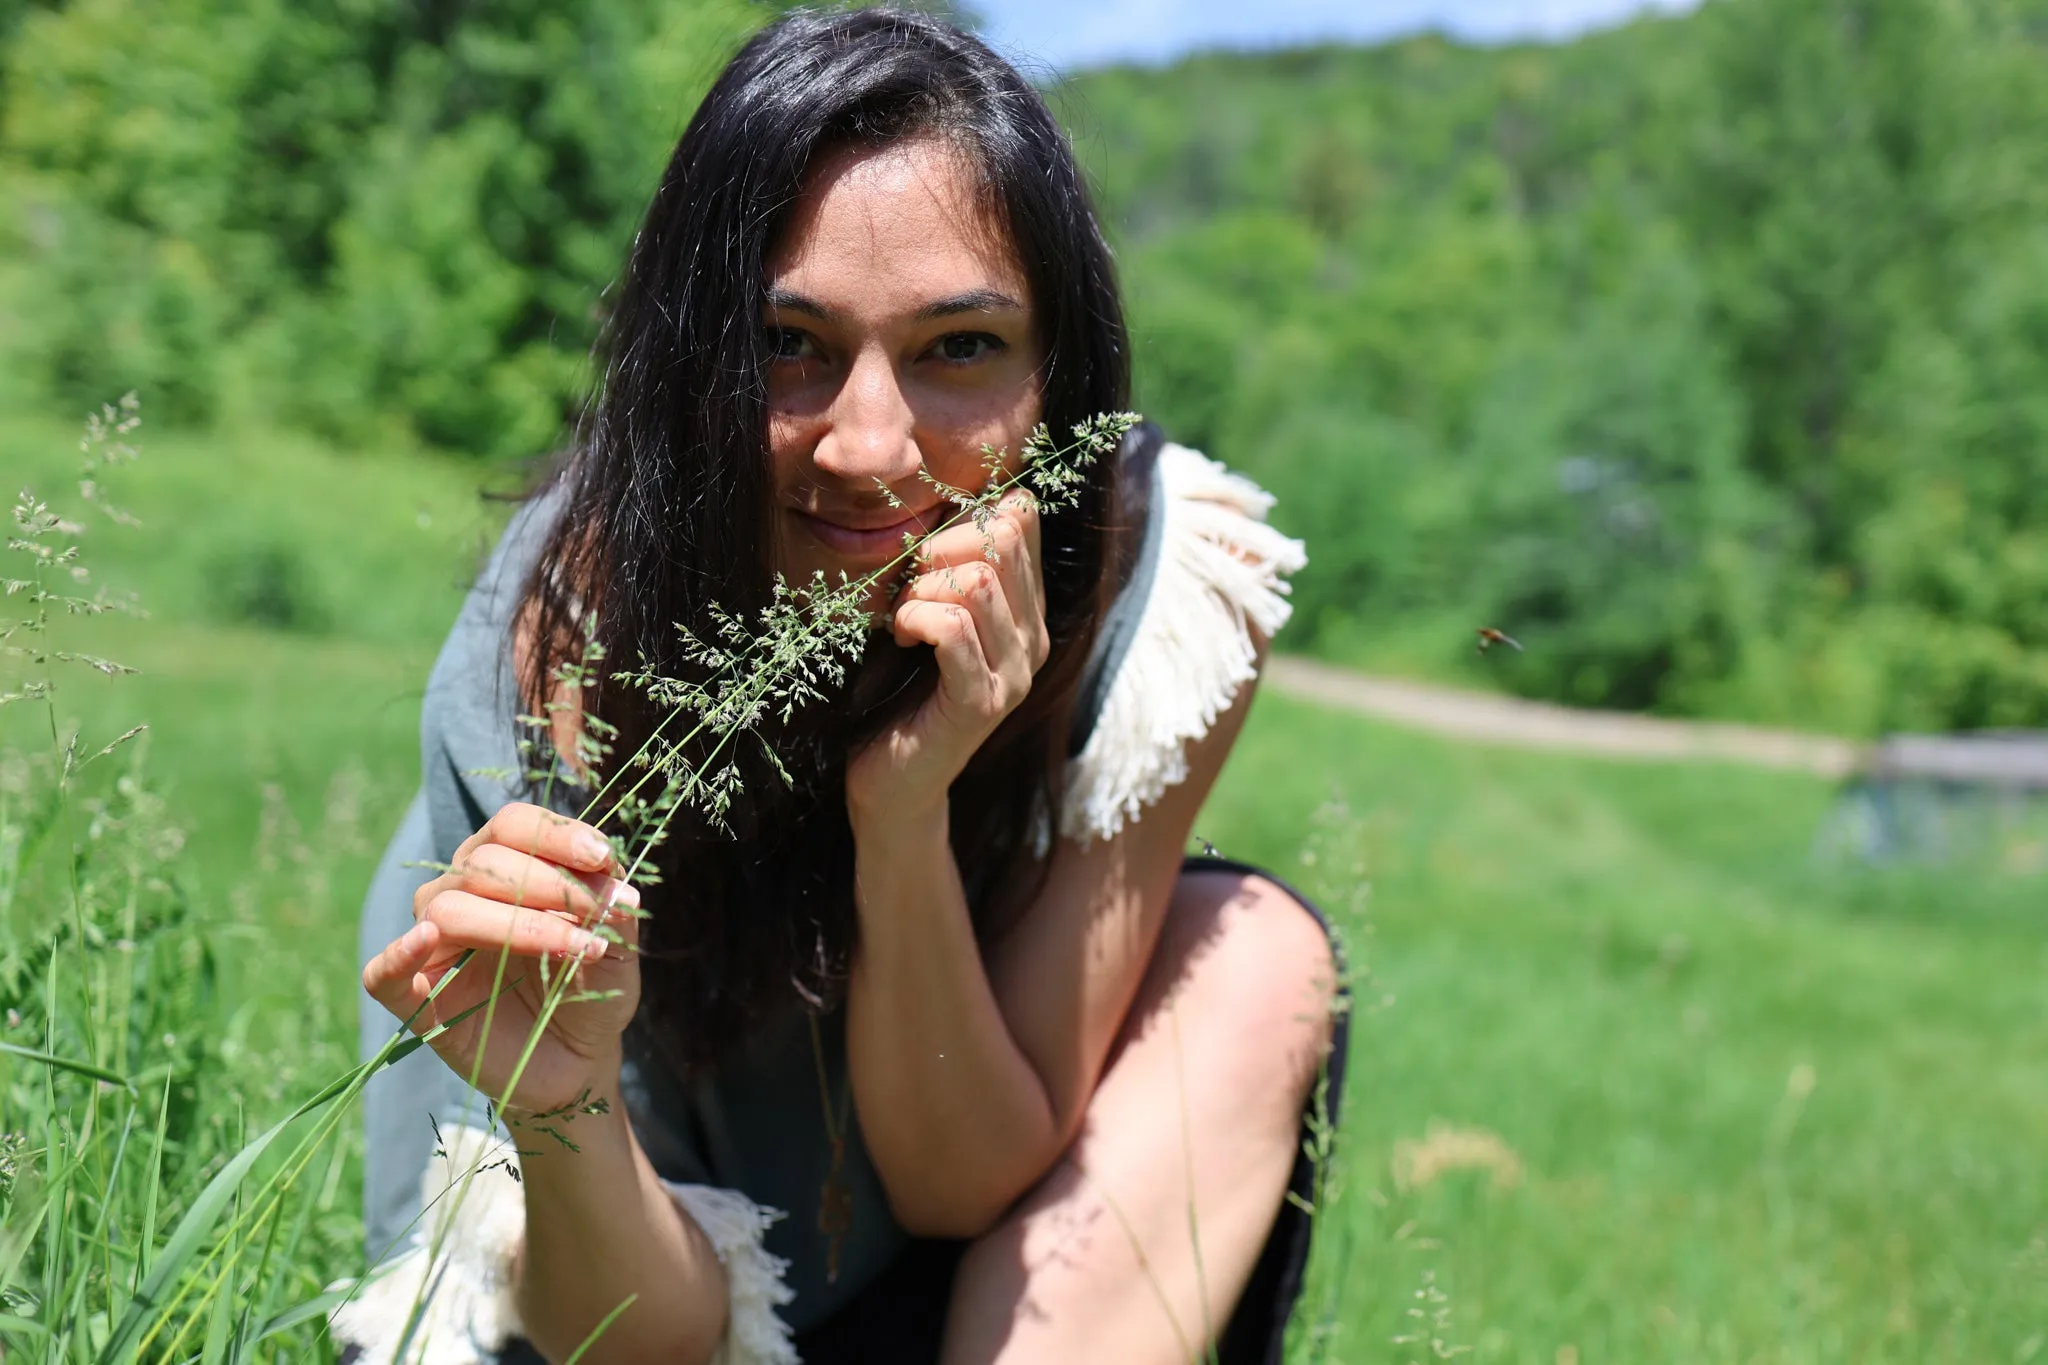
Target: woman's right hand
526,891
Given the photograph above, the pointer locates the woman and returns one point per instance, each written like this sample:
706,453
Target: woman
940,1050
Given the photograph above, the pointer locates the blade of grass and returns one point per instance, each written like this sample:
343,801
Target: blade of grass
71,1064
14,1249
261,1275
314,1309
260,1310
109,1193
150,1195
269,1198
185,1239
58,1178
220,1323
599,1330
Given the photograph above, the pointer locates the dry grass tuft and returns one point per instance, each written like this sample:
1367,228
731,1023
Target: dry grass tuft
1446,1147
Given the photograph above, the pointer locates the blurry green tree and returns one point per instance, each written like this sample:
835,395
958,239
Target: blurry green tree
343,212
1707,354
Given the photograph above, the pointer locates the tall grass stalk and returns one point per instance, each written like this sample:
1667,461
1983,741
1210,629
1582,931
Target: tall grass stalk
1332,862
106,1135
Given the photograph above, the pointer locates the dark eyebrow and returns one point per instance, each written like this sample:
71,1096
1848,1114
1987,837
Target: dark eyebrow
973,301
787,301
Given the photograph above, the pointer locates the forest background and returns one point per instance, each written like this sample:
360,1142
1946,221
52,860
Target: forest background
1709,355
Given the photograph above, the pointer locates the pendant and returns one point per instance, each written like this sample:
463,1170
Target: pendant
835,1210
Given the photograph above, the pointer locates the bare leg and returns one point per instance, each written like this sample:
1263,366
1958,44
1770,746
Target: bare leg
1105,1260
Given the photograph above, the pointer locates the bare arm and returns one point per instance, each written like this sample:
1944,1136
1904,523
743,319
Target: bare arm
600,1228
972,1071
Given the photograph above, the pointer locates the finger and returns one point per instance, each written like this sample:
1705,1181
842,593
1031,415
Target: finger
620,928
470,921
395,977
960,543
1006,645
427,891
1010,529
543,833
1010,541
1020,510
498,872
964,674
975,584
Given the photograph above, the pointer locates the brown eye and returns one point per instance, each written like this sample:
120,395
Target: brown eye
790,343
964,348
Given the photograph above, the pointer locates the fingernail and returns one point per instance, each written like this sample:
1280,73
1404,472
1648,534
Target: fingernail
594,848
587,943
626,894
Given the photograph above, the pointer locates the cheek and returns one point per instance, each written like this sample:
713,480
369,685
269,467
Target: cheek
957,458
801,391
791,439
953,433
789,471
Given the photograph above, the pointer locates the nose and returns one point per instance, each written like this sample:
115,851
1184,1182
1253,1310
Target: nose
871,431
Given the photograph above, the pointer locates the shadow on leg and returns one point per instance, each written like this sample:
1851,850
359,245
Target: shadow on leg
1137,1244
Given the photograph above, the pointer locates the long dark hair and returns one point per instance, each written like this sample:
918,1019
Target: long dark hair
667,500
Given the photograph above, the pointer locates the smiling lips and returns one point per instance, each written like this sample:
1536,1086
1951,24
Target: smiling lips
845,534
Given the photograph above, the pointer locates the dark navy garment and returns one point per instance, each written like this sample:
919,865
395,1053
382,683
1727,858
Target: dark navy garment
756,1124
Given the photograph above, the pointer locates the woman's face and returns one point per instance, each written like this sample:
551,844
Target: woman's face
903,339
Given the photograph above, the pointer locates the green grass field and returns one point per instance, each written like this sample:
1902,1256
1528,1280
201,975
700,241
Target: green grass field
1633,1078
1756,1109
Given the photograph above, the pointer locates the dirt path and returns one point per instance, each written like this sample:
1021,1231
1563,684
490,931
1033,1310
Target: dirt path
1491,719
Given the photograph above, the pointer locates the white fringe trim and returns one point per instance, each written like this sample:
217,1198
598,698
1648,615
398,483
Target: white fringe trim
1221,575
755,1333
476,1217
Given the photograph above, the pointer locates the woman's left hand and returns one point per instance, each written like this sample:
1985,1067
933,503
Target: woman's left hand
984,614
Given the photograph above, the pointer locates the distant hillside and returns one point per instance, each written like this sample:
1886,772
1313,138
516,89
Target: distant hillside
1710,353
1327,132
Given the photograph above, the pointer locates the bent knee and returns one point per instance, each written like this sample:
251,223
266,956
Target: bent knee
1260,962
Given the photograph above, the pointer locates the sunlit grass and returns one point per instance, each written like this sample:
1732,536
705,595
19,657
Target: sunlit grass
169,924
1762,1109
